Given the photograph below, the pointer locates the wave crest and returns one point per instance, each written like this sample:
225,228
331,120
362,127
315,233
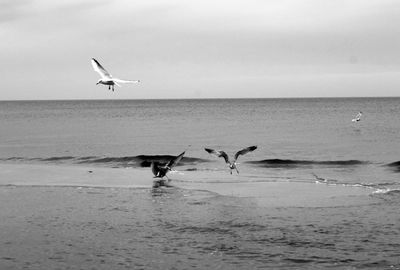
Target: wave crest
395,166
278,163
138,161
388,191
127,161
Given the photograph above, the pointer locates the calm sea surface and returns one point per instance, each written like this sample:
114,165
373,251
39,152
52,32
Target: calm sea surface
299,140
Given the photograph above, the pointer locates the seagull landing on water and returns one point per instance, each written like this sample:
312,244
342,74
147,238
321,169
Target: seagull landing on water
357,118
232,165
106,77
160,170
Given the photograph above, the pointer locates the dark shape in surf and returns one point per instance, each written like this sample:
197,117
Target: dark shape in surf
324,180
160,170
232,164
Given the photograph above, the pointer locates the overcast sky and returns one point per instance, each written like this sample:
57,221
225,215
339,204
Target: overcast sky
200,49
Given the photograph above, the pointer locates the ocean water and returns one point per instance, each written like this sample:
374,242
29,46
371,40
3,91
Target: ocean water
298,140
295,137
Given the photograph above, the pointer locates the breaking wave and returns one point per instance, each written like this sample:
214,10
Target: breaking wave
145,161
395,166
128,161
388,191
291,163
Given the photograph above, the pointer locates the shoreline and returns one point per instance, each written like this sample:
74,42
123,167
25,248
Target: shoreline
270,193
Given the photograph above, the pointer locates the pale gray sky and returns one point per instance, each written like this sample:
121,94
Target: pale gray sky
206,49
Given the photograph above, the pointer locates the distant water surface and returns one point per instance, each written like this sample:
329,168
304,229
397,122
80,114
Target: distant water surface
294,136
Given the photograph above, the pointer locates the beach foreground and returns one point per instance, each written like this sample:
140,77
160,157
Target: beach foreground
74,217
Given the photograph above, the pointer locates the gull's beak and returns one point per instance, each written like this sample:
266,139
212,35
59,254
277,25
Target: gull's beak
97,83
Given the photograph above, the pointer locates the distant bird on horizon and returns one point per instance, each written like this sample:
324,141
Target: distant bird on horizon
357,118
107,78
160,170
232,165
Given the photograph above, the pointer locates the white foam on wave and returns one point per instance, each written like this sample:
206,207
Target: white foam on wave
385,191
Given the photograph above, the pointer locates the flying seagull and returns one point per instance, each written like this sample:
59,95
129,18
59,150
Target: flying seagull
106,77
232,165
357,118
161,170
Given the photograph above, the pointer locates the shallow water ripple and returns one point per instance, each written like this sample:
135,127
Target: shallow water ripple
182,229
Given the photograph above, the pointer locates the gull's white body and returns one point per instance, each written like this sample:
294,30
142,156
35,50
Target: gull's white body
231,164
106,77
357,118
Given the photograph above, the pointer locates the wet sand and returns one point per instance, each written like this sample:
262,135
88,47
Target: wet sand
267,192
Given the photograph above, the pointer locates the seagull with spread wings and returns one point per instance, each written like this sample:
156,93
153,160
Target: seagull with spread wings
106,77
357,118
232,165
160,170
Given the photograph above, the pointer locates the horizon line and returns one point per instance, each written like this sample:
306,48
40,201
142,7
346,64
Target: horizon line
205,98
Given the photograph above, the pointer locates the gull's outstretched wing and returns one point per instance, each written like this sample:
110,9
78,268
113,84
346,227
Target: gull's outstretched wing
125,81
218,154
99,69
173,162
245,151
